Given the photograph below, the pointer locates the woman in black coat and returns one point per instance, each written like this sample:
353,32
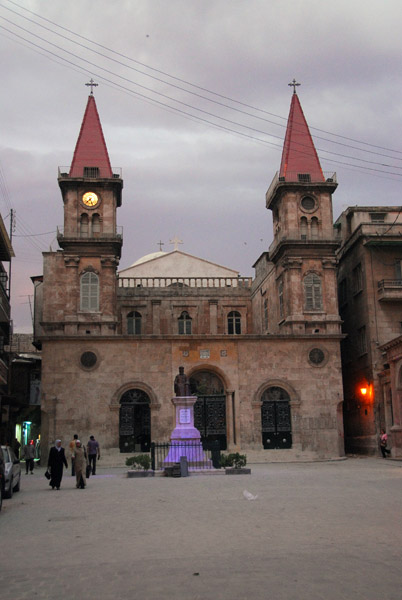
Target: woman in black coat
55,464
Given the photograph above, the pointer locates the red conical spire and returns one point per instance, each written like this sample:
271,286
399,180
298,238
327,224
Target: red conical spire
91,150
299,156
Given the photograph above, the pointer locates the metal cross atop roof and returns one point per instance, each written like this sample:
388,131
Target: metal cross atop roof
294,85
160,245
93,84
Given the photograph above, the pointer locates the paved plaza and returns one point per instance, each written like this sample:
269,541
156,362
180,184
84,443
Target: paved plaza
328,531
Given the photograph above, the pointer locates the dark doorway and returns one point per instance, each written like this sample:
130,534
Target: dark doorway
210,408
275,419
135,422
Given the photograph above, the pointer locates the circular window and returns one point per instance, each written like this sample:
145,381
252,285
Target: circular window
88,360
316,356
308,203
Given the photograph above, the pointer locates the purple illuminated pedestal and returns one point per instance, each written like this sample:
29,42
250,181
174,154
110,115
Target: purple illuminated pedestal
185,439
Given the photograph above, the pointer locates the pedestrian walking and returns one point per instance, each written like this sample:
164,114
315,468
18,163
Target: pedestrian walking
29,455
72,448
384,444
56,460
80,465
93,453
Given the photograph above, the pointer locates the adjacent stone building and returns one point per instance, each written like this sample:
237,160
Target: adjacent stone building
262,354
370,300
8,407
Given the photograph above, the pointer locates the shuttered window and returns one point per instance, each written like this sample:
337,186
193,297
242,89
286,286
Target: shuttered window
312,292
89,292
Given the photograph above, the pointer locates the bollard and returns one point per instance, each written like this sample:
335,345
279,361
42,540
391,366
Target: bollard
183,466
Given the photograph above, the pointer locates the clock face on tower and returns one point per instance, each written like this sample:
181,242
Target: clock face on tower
90,199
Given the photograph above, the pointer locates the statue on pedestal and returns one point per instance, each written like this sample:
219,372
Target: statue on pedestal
181,384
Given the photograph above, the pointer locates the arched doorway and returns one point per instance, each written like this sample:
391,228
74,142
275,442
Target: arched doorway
135,422
275,418
210,408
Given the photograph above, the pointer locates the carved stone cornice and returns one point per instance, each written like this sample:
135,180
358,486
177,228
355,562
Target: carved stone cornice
71,261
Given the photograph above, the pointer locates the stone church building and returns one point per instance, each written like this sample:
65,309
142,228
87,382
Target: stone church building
262,354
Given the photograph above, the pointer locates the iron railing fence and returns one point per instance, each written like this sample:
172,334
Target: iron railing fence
384,283
199,456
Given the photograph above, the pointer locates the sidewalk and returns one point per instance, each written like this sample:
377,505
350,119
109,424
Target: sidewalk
316,531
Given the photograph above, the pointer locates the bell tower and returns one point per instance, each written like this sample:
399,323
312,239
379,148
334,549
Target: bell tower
80,280
303,250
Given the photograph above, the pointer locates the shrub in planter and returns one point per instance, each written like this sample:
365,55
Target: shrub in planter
233,460
142,462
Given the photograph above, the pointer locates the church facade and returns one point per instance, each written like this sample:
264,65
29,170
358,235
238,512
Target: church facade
262,353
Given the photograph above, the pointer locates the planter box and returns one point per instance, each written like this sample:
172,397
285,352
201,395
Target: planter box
233,471
133,473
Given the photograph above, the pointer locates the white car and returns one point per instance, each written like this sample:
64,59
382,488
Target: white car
12,472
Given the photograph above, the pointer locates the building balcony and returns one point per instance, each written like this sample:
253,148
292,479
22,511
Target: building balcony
64,173
82,236
390,290
299,179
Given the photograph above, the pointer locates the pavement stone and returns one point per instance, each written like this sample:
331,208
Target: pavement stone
316,531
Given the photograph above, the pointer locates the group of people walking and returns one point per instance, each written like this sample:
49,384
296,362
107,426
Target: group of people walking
81,459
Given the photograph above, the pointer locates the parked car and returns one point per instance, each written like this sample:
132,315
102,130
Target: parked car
2,473
12,472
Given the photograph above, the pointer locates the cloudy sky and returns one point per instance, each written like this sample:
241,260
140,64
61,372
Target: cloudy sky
193,97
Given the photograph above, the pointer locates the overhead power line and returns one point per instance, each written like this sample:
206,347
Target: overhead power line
175,78
379,167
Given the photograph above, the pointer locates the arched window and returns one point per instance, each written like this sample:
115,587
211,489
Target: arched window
184,323
234,323
84,225
95,224
134,323
312,292
314,228
303,228
89,292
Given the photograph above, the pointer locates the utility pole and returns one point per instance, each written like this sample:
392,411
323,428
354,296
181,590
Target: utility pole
12,229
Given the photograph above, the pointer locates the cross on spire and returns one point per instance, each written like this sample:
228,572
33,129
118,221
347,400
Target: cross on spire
160,245
294,85
92,84
176,241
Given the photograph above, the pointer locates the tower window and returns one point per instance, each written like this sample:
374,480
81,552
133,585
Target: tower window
89,292
308,202
234,323
95,224
134,319
304,177
84,225
91,172
303,228
280,294
266,314
312,292
314,228
184,322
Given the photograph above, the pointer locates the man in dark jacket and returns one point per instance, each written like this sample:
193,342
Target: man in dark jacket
56,460
93,453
